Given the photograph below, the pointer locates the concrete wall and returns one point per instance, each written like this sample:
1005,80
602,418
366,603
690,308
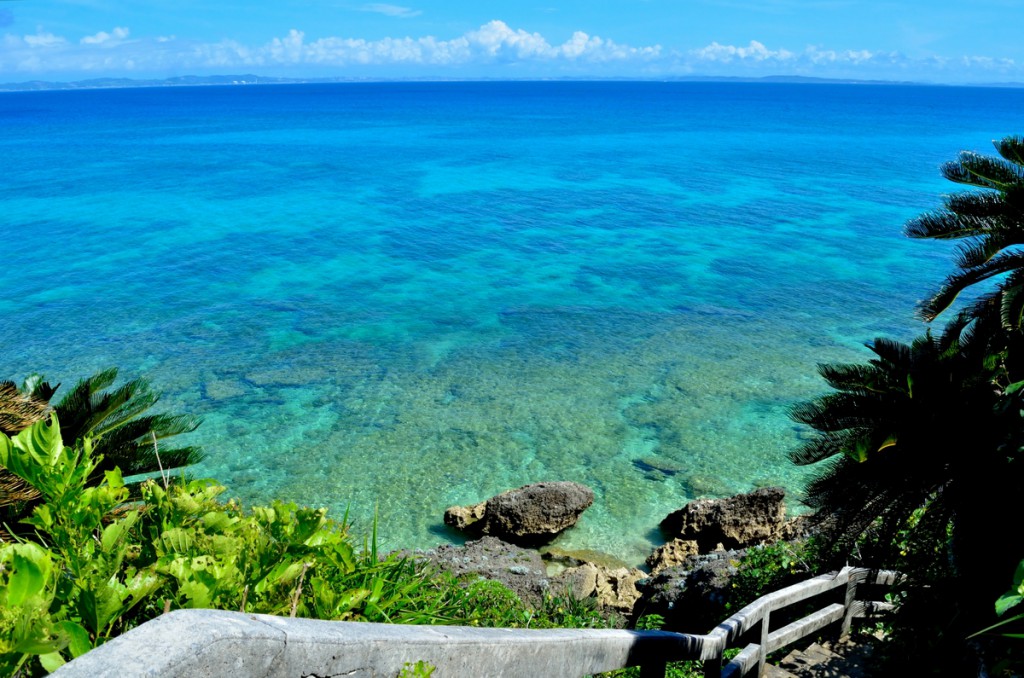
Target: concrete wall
199,643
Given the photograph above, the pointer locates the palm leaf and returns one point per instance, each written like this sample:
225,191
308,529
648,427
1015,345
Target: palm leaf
1011,148
983,171
19,410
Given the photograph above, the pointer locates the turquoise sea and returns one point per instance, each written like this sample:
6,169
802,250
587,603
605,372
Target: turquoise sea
396,297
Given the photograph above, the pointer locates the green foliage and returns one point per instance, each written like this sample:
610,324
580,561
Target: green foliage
420,669
1013,597
764,569
114,420
27,590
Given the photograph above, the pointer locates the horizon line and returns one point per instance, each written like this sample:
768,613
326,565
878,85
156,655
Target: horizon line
189,80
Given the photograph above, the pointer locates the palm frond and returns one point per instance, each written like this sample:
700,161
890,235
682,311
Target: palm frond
1011,293
979,205
895,354
19,410
946,225
983,171
957,282
1011,148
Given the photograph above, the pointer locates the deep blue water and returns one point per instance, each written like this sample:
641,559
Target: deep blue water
397,297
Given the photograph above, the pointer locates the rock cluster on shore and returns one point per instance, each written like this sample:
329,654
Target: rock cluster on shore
707,537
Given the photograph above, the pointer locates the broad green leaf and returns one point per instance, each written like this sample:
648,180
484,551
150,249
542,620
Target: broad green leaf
1018,577
115,531
218,521
178,540
79,641
1007,601
114,478
26,581
37,643
51,661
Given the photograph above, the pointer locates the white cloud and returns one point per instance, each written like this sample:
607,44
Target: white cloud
495,48
102,37
391,10
755,51
44,40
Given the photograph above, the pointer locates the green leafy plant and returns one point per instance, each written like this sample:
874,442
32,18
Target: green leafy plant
763,569
420,669
114,419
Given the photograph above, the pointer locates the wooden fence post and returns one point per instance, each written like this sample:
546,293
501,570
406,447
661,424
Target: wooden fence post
851,596
762,651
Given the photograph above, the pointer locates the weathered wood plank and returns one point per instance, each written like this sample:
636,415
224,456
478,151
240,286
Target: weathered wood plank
742,663
749,616
806,626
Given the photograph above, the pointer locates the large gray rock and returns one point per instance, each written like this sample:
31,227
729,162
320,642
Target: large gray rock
532,514
734,522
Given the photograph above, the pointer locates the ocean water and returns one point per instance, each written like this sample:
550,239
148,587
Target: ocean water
396,297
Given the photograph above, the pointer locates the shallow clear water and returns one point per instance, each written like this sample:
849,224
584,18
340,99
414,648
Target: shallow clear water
396,297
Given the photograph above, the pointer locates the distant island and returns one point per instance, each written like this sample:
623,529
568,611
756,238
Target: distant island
250,79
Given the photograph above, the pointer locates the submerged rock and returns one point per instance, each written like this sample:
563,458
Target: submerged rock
533,514
223,389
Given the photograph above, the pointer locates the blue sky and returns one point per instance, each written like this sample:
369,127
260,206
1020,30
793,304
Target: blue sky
937,41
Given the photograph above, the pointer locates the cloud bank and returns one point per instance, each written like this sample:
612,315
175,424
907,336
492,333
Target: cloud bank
494,49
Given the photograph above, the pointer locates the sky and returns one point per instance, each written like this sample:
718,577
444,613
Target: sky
940,41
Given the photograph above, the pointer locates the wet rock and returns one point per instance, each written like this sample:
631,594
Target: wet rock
735,522
533,514
577,557
464,517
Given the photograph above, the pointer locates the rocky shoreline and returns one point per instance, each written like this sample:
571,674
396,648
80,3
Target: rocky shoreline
688,576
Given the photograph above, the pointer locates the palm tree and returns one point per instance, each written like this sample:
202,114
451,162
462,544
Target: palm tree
990,221
924,442
123,434
899,432
921,426
115,418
